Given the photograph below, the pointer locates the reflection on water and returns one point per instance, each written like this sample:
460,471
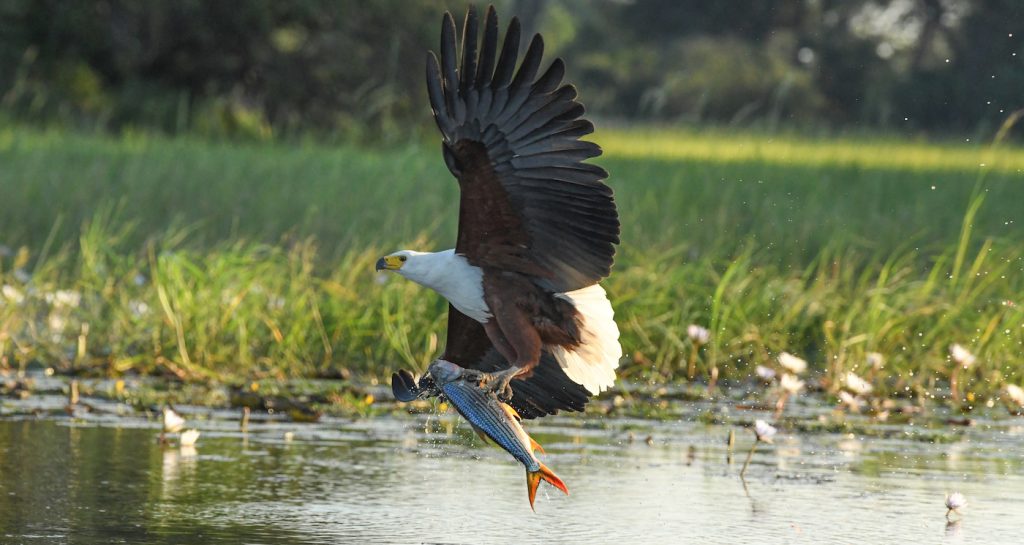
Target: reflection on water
387,480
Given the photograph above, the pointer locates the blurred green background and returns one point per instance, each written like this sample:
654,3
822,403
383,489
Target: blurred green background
199,189
355,68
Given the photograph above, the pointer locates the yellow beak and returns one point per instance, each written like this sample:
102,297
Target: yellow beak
389,263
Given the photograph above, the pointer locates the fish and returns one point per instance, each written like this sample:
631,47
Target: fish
492,419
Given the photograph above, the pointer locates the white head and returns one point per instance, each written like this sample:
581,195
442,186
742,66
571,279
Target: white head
420,267
409,263
445,272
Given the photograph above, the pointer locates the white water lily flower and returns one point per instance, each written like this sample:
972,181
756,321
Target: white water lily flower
1015,394
12,294
764,431
955,501
791,384
173,422
698,334
189,437
857,385
875,360
961,355
848,399
792,363
765,373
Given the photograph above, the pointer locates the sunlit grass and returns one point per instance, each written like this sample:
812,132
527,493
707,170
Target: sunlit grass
211,260
867,153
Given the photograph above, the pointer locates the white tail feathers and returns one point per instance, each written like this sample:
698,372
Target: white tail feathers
592,364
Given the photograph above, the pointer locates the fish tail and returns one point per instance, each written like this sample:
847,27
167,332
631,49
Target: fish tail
533,479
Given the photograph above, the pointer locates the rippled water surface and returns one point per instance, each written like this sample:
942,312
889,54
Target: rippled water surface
427,479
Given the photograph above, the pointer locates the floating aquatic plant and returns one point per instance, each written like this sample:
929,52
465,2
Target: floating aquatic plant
791,386
955,502
964,360
699,336
188,438
792,363
857,385
763,433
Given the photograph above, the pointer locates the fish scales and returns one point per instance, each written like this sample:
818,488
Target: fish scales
484,411
495,420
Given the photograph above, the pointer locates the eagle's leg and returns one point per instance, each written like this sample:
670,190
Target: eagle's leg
499,379
514,335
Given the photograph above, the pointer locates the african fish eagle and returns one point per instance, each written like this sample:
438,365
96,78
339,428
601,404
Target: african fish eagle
537,226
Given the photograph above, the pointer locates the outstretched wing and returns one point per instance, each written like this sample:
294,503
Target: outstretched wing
546,392
528,201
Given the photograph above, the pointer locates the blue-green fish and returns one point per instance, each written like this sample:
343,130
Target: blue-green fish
494,420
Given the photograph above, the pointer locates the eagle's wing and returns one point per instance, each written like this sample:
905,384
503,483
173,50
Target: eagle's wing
528,201
547,391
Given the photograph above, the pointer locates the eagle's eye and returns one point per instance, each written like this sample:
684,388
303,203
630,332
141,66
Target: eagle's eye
402,258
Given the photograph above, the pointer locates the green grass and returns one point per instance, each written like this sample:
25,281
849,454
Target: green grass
212,260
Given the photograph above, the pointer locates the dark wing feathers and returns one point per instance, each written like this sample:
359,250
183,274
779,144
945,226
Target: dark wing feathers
513,141
529,203
547,391
485,70
469,53
509,51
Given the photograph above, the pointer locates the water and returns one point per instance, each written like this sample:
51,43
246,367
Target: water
104,479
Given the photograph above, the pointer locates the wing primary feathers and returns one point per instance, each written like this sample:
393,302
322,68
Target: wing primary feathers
575,112
560,130
529,119
584,173
509,53
551,78
469,51
531,63
513,141
559,145
436,94
449,73
485,68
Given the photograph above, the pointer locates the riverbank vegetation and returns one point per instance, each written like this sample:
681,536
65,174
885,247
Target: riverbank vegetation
207,260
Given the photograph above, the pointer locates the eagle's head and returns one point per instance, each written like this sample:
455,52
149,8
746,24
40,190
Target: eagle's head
416,266
393,262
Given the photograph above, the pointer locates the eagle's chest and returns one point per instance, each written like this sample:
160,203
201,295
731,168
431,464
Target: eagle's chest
471,303
462,285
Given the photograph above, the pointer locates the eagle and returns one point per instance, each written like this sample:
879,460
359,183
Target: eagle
537,226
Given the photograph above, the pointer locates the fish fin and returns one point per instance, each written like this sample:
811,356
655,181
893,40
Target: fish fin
480,433
511,412
533,479
536,446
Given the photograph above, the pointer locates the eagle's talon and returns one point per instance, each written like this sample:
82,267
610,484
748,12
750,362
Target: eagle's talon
499,383
472,375
506,393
